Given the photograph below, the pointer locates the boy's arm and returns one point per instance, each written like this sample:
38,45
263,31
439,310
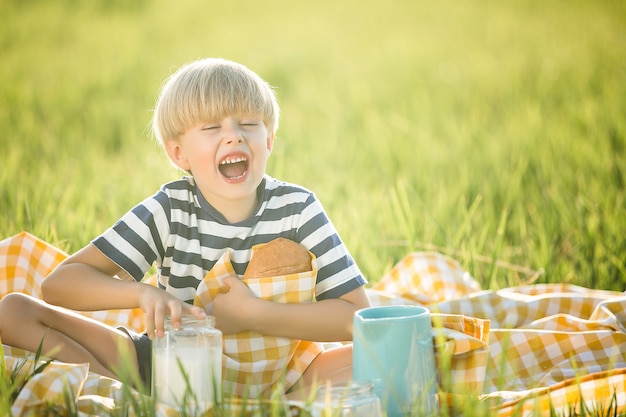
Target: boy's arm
88,280
323,321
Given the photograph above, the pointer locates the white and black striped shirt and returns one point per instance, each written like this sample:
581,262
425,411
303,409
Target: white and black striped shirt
180,232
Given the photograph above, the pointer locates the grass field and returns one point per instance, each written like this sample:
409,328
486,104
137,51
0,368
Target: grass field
488,130
494,132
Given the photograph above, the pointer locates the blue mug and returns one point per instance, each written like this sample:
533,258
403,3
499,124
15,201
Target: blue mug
393,350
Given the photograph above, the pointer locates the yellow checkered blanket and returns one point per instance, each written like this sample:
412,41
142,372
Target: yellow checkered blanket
253,363
524,350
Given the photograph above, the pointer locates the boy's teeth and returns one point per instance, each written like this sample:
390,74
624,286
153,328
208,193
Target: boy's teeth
232,160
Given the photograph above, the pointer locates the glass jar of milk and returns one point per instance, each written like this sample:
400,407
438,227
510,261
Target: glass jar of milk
187,364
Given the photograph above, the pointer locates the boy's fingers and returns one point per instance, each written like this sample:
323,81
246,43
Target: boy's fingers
159,319
150,325
229,282
176,312
198,312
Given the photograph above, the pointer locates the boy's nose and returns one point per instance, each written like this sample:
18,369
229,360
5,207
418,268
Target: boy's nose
233,134
234,139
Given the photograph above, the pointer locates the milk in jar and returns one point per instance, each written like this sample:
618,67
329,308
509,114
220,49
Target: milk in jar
196,347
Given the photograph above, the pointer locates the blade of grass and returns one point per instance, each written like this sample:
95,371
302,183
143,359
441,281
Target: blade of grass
499,241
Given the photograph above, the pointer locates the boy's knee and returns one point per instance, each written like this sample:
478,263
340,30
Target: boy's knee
12,299
15,305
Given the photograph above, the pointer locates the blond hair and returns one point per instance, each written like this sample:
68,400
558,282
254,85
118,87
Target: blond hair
208,90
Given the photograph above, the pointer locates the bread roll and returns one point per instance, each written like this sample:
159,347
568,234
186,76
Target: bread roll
279,257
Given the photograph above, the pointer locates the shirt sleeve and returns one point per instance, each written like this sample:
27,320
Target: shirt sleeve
135,242
337,272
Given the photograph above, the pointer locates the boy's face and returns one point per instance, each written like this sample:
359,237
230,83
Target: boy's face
227,157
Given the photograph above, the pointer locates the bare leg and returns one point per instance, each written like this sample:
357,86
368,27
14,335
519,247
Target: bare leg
67,336
333,365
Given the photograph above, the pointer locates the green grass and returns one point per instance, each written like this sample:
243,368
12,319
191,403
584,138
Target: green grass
492,131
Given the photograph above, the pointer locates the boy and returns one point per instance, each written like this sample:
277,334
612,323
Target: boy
217,121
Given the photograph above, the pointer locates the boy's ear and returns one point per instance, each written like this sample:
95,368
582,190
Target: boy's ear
177,155
270,142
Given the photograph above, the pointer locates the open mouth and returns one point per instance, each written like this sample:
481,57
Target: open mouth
234,167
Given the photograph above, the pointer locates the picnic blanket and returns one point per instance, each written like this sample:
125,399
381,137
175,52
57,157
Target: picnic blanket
254,362
524,350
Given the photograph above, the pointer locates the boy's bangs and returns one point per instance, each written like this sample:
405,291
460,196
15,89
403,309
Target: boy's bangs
215,102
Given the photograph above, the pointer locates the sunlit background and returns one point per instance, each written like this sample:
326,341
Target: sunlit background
491,131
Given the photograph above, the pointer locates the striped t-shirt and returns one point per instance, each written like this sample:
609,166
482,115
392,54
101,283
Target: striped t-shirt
184,236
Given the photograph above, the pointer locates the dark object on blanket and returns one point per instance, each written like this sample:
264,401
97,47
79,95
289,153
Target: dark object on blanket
278,257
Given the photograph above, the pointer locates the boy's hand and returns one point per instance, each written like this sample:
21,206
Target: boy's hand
234,307
157,304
